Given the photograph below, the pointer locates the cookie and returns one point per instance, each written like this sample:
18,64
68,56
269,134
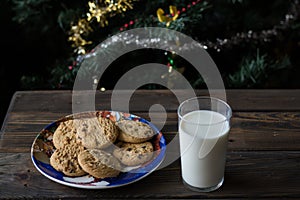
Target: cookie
134,131
64,134
65,160
133,154
96,132
99,164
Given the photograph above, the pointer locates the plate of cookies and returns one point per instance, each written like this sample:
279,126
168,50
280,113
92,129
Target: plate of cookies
98,150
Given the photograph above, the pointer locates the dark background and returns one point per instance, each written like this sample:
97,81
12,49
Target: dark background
32,51
22,53
13,55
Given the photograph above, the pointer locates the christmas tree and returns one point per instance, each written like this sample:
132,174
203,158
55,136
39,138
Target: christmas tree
251,41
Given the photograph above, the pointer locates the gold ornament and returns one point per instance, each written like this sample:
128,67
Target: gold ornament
97,12
120,6
100,10
76,32
108,8
167,19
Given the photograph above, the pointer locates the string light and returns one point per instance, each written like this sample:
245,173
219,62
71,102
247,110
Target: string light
102,89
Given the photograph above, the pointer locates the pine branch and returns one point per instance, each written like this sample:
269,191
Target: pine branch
253,71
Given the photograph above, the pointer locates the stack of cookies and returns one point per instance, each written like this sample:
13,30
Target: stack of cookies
100,147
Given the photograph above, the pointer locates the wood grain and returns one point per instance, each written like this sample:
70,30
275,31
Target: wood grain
240,100
255,175
250,130
263,159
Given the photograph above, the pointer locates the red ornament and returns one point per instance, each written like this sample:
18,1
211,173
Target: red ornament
183,10
70,67
189,5
125,25
194,3
131,22
121,29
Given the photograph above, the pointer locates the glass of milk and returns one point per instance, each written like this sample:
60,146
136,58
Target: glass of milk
204,124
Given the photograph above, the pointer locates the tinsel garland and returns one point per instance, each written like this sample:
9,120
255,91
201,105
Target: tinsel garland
100,11
259,36
255,37
220,44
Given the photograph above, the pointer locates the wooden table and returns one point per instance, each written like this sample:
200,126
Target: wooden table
263,159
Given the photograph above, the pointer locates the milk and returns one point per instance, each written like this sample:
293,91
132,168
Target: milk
203,148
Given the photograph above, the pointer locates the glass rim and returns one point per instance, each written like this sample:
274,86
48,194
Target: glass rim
227,118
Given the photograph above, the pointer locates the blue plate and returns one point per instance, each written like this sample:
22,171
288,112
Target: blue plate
42,149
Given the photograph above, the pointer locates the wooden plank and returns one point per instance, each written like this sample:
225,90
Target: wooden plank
263,157
21,120
247,175
250,130
264,100
141,100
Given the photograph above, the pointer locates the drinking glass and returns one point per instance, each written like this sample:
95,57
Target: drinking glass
203,124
